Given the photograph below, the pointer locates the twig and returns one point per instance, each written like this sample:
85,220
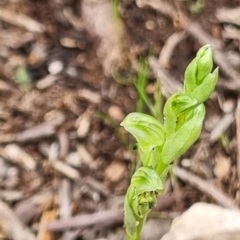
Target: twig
34,206
90,96
36,132
97,186
64,193
205,187
63,139
11,226
202,36
168,48
21,20
168,84
227,15
237,116
60,166
18,155
197,32
221,127
105,218
43,233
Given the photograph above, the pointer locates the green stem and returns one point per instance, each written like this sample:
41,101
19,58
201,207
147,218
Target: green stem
140,226
162,169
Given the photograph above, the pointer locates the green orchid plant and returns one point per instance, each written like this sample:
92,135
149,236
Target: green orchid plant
160,144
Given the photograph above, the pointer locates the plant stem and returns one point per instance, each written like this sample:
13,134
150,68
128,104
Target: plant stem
140,226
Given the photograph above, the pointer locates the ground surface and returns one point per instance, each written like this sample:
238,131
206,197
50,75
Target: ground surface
62,153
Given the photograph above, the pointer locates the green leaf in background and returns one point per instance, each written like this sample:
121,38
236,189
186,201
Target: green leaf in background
22,77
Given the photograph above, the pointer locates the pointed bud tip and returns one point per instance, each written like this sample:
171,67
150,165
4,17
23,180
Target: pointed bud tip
204,49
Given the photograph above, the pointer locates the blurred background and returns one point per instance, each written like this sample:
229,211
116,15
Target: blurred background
70,71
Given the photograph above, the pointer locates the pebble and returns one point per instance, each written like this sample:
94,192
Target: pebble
55,67
115,171
83,125
74,159
222,166
116,113
150,25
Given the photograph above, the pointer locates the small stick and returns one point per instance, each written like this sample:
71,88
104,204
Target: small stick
65,169
17,155
105,218
36,132
205,187
221,127
168,48
11,226
43,233
63,139
237,116
97,186
229,15
28,209
168,84
59,165
197,32
21,20
64,194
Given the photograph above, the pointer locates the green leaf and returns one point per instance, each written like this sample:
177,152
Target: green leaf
174,107
150,157
147,130
130,221
179,142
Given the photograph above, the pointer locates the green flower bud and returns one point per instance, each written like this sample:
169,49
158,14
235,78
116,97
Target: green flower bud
142,193
140,199
204,63
205,89
198,75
